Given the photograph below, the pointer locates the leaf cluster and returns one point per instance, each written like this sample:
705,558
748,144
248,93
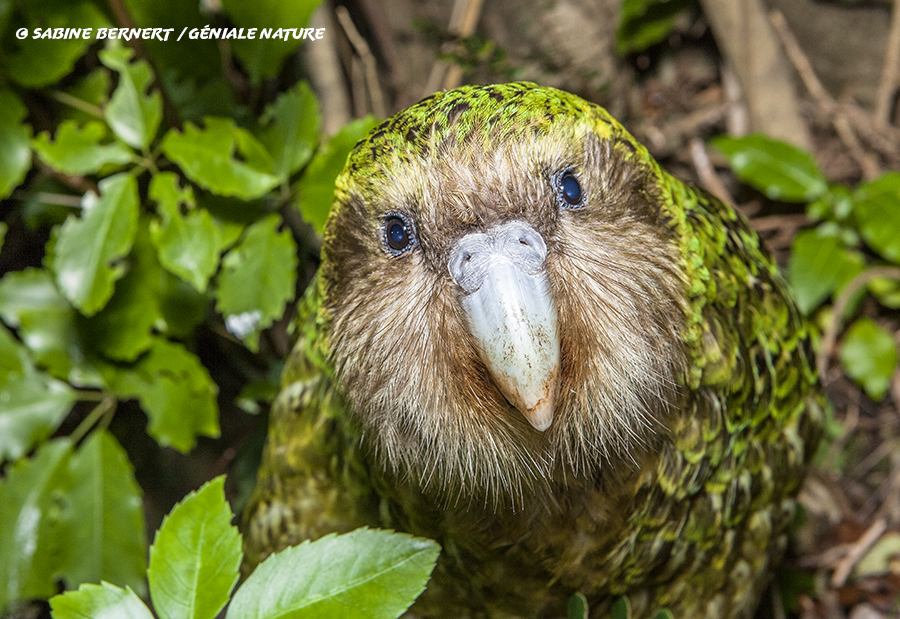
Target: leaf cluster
170,200
855,230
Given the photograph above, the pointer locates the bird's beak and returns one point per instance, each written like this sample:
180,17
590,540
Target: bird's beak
511,314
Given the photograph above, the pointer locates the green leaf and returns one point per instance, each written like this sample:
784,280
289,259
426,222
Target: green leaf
15,142
103,601
3,229
364,573
820,265
28,514
103,526
577,607
778,169
123,329
621,608
291,129
39,62
207,157
188,245
132,115
32,406
877,208
258,278
316,187
262,57
85,254
47,325
869,355
77,150
643,23
175,391
196,556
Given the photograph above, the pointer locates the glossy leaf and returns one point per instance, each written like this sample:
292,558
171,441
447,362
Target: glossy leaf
103,601
820,265
28,515
316,187
291,129
362,574
643,23
196,555
207,157
877,208
78,150
188,245
15,142
32,405
123,329
778,169
103,525
175,391
48,326
869,355
132,114
86,254
258,278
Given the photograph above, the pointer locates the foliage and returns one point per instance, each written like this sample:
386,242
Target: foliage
160,191
643,23
195,561
856,229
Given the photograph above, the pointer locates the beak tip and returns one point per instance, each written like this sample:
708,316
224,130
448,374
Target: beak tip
540,416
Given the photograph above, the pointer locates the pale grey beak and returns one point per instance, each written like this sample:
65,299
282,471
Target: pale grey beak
511,314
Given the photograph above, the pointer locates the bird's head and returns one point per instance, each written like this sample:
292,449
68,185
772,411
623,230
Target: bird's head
502,289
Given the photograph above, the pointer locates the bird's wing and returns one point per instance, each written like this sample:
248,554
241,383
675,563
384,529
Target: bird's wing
313,479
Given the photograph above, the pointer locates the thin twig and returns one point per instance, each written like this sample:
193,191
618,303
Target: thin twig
708,177
326,74
370,66
889,73
830,336
856,552
824,100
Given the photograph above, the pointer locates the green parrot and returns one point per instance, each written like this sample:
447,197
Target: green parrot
530,343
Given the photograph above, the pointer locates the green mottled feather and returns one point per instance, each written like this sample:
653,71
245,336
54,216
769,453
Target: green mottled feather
687,510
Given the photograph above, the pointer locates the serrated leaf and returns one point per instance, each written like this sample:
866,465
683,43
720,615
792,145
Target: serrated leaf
31,408
123,329
869,355
364,573
15,142
778,169
258,278
877,208
291,129
87,249
316,187
207,157
820,265
196,555
262,57
103,601
103,525
132,115
78,150
48,326
188,245
28,514
175,391
39,62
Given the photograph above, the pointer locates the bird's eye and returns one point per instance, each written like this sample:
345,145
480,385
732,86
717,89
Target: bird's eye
569,192
399,236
